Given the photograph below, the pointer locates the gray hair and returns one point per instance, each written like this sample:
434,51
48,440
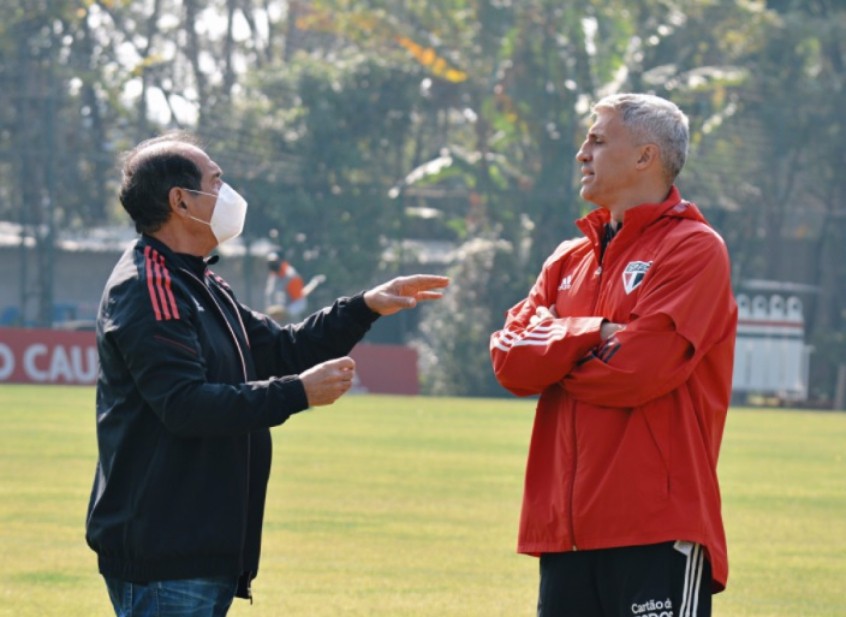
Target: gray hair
652,119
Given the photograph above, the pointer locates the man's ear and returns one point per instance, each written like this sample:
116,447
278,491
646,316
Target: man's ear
649,155
176,200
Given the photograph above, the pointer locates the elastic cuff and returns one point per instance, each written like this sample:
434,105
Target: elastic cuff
360,311
295,394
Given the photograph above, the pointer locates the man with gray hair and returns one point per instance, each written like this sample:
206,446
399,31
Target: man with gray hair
628,338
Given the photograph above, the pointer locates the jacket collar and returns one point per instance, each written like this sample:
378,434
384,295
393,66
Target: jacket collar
196,265
638,217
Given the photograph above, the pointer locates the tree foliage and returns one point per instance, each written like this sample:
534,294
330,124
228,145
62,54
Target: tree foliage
354,126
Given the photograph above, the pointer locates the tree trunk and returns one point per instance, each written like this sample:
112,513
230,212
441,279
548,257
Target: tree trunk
192,50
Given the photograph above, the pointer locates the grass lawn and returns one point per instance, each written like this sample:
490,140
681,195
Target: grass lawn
401,506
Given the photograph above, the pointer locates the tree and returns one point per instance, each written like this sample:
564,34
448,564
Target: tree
802,183
34,170
522,77
454,121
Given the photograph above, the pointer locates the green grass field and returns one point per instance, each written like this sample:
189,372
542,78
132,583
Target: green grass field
394,506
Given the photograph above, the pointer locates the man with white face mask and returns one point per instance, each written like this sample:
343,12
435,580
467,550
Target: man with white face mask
190,383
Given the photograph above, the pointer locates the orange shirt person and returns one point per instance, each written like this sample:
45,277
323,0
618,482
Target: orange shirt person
286,294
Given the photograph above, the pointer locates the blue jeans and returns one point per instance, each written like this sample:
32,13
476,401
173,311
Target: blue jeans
196,597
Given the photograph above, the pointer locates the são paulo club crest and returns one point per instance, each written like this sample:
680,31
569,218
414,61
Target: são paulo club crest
633,274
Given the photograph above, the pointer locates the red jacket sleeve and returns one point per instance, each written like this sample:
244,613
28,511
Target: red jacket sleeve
685,308
527,358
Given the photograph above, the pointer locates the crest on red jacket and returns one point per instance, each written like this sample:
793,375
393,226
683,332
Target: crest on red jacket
633,274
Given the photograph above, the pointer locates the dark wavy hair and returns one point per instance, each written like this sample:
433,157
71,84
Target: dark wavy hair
150,170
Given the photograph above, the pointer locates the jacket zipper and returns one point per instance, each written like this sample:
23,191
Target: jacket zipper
226,321
246,378
598,274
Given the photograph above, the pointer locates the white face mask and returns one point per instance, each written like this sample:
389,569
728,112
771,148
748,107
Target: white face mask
230,211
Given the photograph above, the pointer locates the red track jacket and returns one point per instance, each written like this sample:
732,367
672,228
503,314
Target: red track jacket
627,431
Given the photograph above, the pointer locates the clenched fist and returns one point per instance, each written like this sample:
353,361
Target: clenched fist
325,383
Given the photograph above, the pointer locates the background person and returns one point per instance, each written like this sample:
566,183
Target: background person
190,382
285,293
628,337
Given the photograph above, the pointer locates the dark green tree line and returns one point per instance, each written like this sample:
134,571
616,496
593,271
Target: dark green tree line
355,126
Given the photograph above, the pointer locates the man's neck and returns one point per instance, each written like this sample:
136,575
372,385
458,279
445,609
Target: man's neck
650,195
180,242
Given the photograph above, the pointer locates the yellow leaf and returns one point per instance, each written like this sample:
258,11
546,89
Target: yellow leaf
429,58
455,76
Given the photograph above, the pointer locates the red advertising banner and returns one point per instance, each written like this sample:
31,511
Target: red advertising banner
64,357
47,356
386,369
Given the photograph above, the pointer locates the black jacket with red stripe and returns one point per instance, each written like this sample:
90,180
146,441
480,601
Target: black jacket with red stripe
190,382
